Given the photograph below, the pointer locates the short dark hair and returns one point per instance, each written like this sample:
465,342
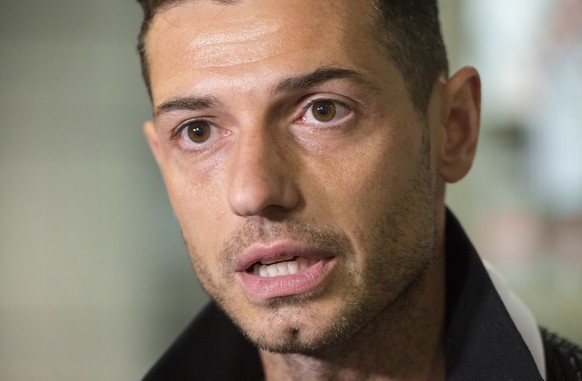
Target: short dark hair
411,34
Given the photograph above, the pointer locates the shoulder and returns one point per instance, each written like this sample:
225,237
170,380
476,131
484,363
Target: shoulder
563,358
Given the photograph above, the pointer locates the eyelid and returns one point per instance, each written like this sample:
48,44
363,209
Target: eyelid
320,99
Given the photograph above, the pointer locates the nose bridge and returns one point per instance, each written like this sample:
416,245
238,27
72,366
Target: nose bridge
261,173
256,158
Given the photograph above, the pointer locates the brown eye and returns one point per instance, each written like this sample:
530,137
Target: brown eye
323,111
198,131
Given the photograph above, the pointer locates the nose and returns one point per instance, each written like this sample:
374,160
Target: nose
262,176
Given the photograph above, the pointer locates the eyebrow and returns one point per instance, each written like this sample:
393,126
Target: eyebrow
296,83
186,103
318,76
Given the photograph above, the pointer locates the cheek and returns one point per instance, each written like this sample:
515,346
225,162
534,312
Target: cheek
195,202
369,177
371,183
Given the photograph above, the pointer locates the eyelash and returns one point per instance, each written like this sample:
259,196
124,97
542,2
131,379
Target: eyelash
179,129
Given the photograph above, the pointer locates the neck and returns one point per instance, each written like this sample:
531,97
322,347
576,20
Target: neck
406,342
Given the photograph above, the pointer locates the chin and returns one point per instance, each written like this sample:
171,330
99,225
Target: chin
293,341
306,332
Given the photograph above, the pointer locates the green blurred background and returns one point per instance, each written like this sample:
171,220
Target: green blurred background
94,279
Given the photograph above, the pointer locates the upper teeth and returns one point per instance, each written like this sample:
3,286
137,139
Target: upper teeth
283,268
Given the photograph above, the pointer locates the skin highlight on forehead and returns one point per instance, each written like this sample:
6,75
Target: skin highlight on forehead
228,36
226,40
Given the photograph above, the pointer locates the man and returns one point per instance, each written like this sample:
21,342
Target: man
305,146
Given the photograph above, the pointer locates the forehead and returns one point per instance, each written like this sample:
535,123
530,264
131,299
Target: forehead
203,38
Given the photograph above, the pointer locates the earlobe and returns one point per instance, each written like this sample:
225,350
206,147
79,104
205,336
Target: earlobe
461,118
149,130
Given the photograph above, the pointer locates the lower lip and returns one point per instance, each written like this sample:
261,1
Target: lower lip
286,285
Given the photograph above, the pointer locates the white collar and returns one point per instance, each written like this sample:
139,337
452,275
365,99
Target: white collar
521,316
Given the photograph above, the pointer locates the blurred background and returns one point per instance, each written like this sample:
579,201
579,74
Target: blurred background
94,279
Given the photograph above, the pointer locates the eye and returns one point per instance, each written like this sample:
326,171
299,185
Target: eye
198,131
197,135
323,111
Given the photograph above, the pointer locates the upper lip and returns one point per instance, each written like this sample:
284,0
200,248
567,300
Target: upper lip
276,251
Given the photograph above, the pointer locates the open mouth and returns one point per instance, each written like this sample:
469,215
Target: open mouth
281,266
279,269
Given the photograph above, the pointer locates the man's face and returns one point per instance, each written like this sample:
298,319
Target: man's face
295,163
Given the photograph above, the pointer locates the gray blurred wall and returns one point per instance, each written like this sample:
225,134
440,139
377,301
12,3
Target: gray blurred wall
94,280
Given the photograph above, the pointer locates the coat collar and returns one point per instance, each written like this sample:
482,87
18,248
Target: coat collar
483,342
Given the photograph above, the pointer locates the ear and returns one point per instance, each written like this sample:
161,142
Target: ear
460,122
149,130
